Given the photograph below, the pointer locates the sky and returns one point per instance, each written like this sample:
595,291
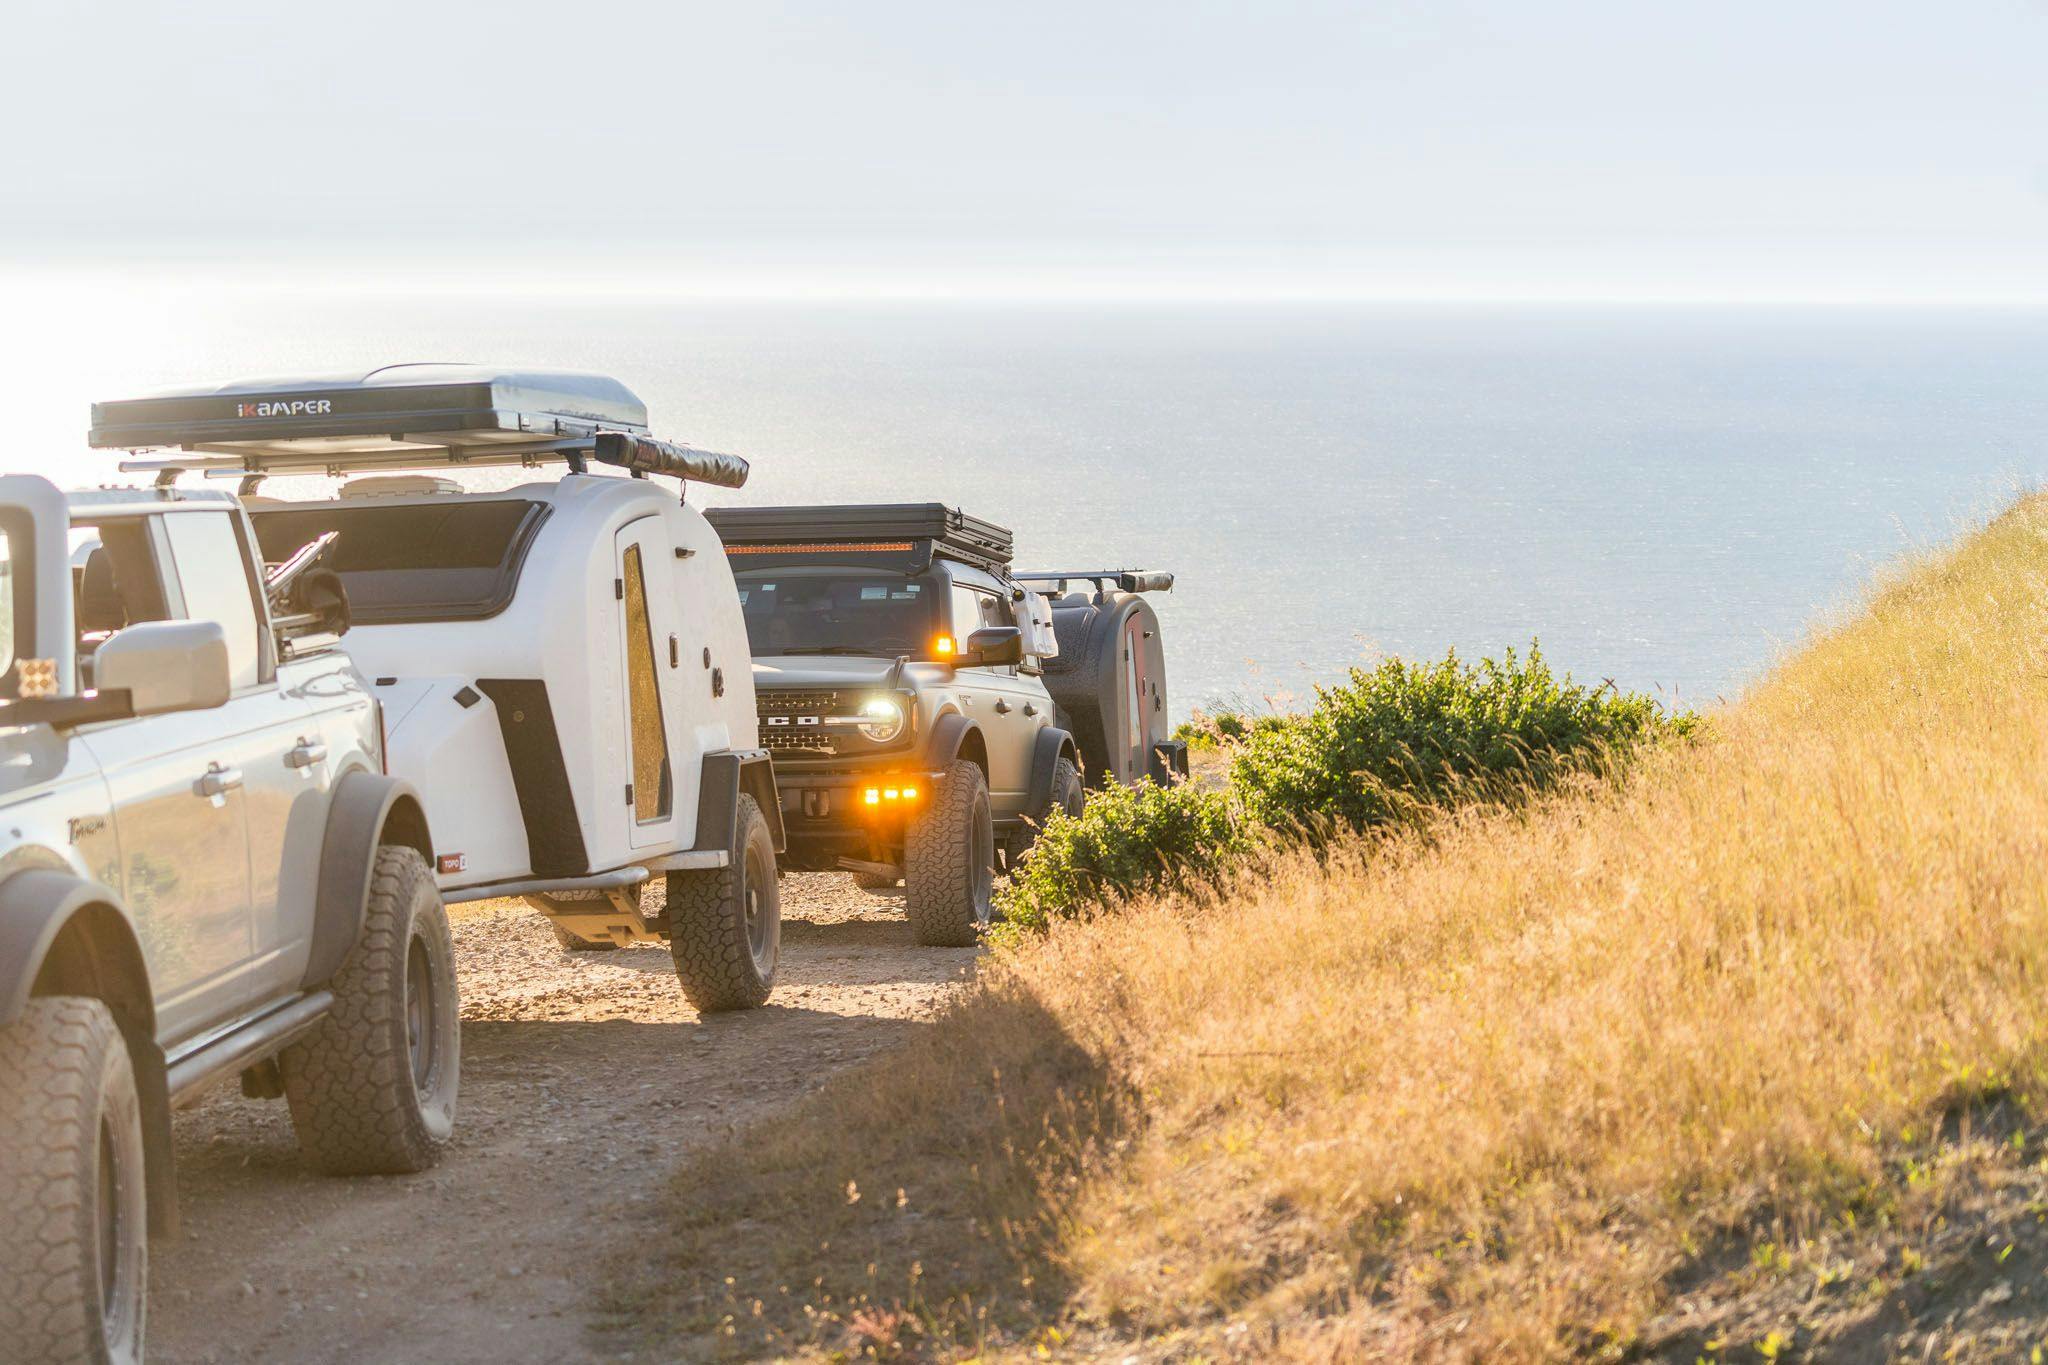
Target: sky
1576,148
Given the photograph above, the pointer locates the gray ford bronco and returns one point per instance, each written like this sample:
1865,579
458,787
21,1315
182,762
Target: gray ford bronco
927,709
204,872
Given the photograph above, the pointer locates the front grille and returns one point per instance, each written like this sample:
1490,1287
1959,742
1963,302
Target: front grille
790,702
782,712
789,742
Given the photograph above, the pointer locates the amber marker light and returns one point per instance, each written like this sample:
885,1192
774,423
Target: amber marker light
872,796
943,647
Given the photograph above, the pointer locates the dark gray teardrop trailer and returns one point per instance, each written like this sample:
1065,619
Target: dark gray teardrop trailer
1109,676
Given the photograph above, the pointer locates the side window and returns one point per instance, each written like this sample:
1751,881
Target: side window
214,575
974,608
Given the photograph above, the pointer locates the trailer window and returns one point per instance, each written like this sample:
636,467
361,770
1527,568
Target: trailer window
837,611
651,783
442,561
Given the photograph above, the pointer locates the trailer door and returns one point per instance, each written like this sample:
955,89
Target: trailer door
645,617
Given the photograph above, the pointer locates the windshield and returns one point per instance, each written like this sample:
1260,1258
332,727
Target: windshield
838,611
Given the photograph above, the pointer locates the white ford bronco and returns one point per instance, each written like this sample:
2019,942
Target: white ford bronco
927,708
562,662
204,871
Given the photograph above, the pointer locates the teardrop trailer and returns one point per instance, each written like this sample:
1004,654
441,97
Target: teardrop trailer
562,664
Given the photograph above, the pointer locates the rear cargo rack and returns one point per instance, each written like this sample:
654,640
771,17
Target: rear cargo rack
905,532
1124,580
400,417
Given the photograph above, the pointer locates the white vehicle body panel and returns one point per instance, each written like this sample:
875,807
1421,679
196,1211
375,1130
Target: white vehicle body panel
218,884
564,628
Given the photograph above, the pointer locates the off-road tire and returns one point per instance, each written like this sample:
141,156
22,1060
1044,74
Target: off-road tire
372,1089
874,881
1069,793
725,923
949,855
73,1231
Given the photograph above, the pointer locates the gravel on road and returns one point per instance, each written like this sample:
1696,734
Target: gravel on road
585,1076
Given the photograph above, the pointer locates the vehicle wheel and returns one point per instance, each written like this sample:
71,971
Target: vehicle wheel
874,881
725,923
1069,794
949,857
73,1221
372,1089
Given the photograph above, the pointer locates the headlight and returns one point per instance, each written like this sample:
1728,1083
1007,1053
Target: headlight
881,719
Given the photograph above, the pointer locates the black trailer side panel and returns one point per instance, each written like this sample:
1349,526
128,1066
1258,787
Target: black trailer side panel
1110,679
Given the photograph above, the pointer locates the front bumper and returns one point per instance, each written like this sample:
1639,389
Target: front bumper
834,813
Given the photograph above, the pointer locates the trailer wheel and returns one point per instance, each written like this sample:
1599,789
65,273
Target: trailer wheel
73,1236
874,881
725,923
372,1089
949,859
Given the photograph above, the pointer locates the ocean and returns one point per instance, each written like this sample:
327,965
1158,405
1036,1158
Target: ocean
1663,496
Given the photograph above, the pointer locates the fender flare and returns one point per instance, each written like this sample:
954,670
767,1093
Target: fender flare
37,908
725,774
366,811
949,735
1047,749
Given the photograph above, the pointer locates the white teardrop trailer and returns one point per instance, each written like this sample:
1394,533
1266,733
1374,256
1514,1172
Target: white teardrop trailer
563,666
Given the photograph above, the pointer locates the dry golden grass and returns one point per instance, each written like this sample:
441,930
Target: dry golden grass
1489,1094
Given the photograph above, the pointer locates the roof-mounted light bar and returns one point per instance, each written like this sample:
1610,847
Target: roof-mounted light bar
876,547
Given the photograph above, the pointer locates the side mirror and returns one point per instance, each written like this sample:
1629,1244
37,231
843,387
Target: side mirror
165,666
992,646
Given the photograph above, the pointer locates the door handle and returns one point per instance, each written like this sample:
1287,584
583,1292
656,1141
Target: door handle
1002,707
305,754
219,781
1030,709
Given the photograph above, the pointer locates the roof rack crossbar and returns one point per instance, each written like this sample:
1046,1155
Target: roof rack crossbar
624,450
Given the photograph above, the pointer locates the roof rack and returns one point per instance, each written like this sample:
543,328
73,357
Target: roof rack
907,532
400,417
1125,580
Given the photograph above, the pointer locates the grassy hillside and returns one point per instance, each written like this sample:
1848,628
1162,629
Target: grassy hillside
1736,1059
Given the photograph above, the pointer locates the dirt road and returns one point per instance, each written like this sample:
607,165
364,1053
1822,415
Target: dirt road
583,1080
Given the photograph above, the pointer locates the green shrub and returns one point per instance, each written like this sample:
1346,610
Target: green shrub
1214,730
1126,841
1402,738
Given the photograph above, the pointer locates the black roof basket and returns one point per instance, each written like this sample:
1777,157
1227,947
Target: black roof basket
900,533
400,417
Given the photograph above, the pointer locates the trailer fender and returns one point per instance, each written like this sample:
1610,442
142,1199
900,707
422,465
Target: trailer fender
726,774
368,810
1046,751
953,737
63,935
